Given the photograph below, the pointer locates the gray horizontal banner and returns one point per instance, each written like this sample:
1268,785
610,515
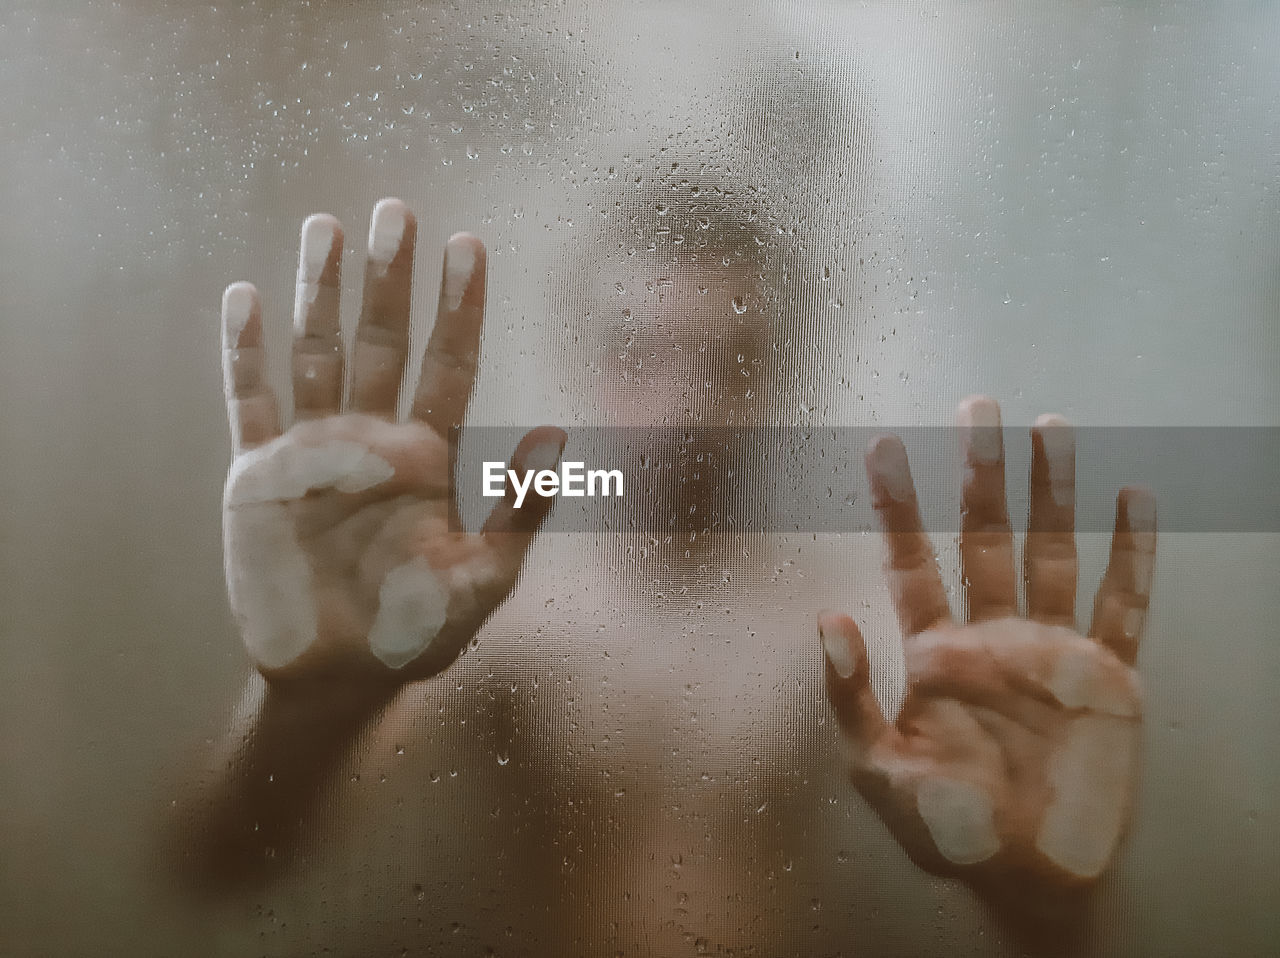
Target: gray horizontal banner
693,482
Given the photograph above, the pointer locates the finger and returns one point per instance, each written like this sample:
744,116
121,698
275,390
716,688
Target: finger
382,336
252,410
910,567
510,529
986,540
848,679
1120,610
449,366
317,333
1049,559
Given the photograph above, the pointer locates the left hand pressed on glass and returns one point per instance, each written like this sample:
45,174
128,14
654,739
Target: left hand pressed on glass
1015,753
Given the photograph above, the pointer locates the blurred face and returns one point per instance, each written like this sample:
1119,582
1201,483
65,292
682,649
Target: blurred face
684,362
683,345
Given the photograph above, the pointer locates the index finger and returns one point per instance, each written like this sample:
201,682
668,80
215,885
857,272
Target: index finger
252,410
453,351
911,566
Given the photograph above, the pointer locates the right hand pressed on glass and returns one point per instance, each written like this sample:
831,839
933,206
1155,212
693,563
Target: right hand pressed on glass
1015,754
344,560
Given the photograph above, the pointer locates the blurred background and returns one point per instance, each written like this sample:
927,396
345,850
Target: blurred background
720,213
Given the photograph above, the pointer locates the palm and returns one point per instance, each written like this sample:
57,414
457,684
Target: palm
343,551
1025,731
1015,751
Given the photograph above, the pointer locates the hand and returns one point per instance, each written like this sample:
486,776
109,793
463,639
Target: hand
343,558
1015,753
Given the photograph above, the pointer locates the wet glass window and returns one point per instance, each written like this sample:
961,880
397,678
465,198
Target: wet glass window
303,687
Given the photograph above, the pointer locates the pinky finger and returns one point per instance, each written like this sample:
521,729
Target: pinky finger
1120,610
252,410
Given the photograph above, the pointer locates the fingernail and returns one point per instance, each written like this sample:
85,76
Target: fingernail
237,309
889,469
543,456
386,231
836,647
318,233
1058,442
1056,433
1140,510
980,416
459,265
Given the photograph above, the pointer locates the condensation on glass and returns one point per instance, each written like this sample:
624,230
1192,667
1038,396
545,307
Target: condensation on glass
714,214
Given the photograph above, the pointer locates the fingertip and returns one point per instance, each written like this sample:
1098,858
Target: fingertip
1136,504
544,454
885,452
538,449
392,206
1053,462
240,305
539,437
1051,420
830,620
1055,435
318,220
842,643
552,434
320,226
464,261
978,410
238,291
391,227
879,445
979,418
470,240
887,468
320,237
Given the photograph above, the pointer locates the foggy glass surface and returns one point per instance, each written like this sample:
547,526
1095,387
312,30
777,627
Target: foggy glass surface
827,214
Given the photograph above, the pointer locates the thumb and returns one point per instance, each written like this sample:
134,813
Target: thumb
849,681
510,529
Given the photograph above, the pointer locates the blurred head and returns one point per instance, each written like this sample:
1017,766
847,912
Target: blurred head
674,306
